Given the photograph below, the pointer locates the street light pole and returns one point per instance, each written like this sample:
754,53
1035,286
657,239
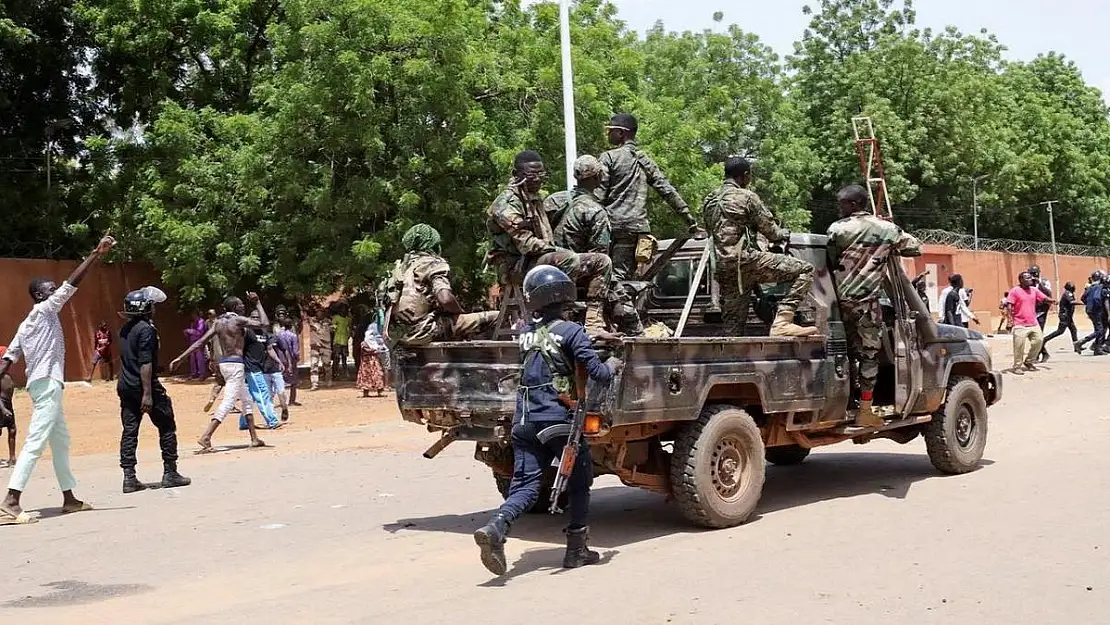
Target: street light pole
1052,234
569,129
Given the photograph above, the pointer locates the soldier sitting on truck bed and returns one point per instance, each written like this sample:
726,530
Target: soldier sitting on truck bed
733,216
424,308
523,238
858,247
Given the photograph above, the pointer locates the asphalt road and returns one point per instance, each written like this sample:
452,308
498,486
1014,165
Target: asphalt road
351,525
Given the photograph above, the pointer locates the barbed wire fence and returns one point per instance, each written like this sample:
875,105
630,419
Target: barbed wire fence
967,242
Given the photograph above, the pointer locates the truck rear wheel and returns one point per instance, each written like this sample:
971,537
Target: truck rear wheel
717,468
957,435
787,455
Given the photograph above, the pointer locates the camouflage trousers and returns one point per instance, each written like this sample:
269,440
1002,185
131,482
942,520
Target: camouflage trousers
862,324
443,327
760,268
623,252
590,271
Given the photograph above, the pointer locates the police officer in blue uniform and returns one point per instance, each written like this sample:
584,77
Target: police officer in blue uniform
550,348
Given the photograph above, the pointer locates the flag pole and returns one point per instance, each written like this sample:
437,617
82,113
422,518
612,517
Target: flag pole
569,130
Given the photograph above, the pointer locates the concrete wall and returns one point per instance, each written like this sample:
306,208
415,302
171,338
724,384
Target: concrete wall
99,298
993,274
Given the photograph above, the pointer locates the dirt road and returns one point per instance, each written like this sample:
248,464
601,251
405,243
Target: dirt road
344,522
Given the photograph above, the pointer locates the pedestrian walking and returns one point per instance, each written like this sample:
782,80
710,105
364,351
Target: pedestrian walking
371,376
289,351
1093,305
141,392
1022,303
40,341
319,344
1066,315
102,352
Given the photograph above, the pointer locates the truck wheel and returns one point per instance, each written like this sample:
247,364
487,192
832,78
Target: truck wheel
957,435
543,502
717,468
786,455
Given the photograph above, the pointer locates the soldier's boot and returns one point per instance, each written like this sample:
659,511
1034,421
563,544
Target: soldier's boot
784,325
491,540
131,484
578,551
866,417
171,478
595,320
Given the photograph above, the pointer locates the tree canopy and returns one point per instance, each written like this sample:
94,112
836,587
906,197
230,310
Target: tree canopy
287,144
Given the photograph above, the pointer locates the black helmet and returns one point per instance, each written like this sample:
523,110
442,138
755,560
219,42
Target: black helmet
1035,271
1096,276
142,301
546,286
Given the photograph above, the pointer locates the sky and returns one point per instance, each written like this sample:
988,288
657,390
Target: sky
1075,28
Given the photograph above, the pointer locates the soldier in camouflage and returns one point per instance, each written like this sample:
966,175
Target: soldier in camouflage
523,238
424,308
584,227
858,248
734,216
624,195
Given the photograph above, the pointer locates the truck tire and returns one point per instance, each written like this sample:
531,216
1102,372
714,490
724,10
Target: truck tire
957,435
543,502
717,468
787,455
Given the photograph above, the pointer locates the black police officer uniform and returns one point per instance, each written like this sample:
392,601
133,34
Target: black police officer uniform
549,349
139,346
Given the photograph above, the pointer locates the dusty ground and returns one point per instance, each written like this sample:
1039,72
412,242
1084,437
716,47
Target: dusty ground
344,522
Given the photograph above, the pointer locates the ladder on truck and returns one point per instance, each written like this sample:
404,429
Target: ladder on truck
871,165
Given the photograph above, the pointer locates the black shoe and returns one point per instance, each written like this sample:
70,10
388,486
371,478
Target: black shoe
131,484
578,552
172,479
1044,357
1078,347
491,540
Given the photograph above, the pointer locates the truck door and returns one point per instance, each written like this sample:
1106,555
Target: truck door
907,347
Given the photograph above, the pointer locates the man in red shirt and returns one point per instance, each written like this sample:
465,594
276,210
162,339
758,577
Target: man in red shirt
102,351
1021,303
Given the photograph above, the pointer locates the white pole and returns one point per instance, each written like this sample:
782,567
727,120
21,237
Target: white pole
570,133
1052,233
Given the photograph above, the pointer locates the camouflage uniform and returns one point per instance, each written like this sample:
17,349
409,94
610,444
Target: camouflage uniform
556,206
585,226
522,239
417,279
734,216
858,248
625,198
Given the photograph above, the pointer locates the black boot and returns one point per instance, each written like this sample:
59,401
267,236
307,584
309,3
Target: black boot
131,484
578,551
491,540
171,478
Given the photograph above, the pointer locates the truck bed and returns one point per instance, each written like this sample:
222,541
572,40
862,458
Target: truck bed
474,382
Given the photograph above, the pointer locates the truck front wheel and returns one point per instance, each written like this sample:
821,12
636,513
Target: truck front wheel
957,435
717,468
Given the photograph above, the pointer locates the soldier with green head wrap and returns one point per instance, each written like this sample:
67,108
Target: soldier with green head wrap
424,308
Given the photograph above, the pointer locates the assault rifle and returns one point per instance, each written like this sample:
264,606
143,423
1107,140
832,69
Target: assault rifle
574,438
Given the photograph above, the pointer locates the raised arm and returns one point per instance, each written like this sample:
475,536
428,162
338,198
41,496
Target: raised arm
106,244
263,320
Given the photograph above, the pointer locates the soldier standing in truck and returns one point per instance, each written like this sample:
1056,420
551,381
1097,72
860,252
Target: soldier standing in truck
858,247
734,215
550,350
424,307
523,238
624,194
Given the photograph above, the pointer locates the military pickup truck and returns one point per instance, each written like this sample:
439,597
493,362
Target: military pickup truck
695,417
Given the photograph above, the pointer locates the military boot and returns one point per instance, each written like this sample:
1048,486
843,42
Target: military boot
131,484
595,321
491,540
866,418
171,478
578,551
784,326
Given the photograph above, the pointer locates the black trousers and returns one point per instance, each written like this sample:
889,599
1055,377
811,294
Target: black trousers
1042,319
1099,335
161,415
1065,325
